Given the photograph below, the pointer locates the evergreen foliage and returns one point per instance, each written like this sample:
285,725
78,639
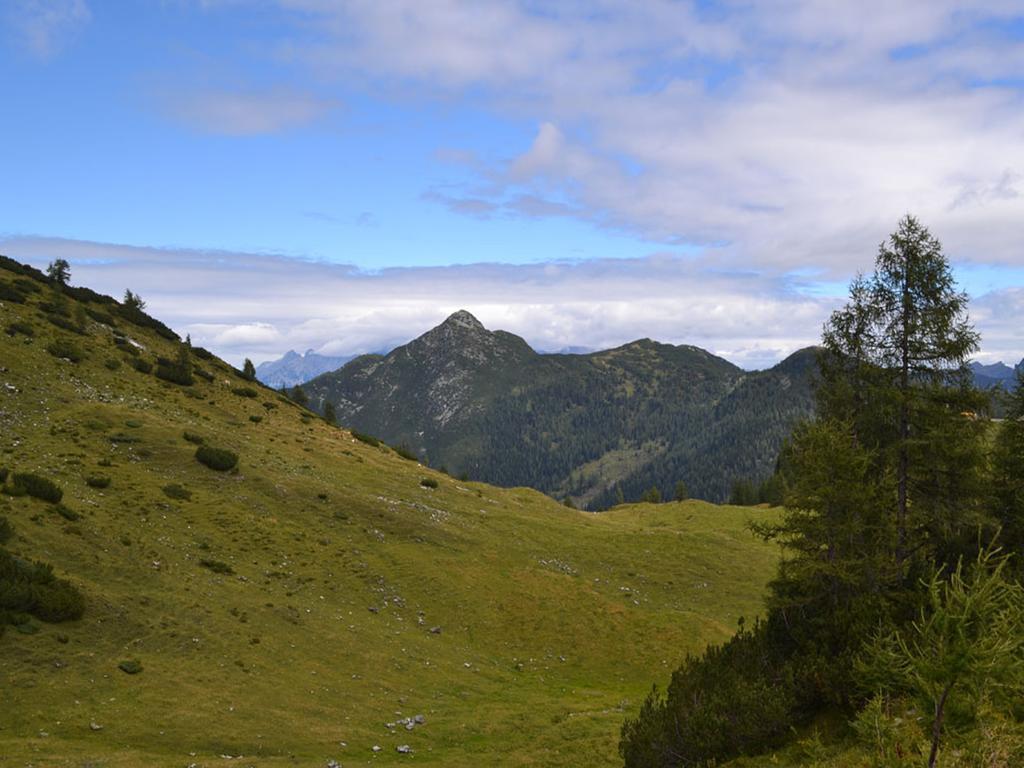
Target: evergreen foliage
885,487
37,486
59,271
219,459
178,371
298,395
249,370
330,414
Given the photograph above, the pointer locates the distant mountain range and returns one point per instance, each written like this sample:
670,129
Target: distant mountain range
989,376
293,368
588,426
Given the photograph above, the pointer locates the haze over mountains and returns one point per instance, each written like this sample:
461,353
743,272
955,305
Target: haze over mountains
293,368
594,427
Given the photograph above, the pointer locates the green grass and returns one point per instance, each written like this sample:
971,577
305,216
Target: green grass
553,623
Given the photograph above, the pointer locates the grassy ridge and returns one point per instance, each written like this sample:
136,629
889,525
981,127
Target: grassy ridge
339,563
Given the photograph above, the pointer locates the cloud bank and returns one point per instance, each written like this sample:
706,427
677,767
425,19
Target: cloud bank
259,306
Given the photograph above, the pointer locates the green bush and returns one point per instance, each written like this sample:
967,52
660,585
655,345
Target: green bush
217,566
364,438
203,374
6,530
68,514
111,363
219,459
245,392
405,453
192,437
202,354
97,481
9,293
177,492
255,419
130,666
37,486
428,482
100,317
25,329
175,374
31,589
140,365
66,349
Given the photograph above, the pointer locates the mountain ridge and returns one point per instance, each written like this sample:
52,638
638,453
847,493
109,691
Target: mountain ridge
487,404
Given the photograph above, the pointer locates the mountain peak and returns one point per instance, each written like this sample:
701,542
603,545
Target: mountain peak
463,319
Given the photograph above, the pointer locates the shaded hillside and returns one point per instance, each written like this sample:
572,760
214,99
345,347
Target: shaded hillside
589,426
287,610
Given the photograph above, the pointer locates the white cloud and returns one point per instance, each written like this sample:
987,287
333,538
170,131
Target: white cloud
244,112
43,27
784,132
259,306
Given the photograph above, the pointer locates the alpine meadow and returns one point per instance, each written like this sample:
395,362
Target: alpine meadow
501,383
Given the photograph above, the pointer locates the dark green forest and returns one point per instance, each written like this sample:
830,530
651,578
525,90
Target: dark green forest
597,428
897,611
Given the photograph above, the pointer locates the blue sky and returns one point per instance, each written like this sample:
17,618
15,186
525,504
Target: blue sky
581,173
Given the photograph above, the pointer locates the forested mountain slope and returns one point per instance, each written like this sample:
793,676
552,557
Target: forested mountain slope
588,426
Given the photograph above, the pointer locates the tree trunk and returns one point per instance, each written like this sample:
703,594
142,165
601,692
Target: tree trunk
903,467
940,708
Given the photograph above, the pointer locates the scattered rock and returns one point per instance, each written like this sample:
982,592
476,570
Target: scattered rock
333,764
435,630
94,726
376,747
405,749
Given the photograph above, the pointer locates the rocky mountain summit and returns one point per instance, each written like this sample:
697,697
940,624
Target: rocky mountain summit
588,426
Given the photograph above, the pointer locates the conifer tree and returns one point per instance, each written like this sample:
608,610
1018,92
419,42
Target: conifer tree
59,271
330,415
249,370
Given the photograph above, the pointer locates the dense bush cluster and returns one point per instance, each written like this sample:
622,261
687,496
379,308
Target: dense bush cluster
364,438
244,392
25,329
219,459
37,486
65,349
31,589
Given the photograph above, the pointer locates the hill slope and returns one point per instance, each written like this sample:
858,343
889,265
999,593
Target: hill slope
644,414
288,610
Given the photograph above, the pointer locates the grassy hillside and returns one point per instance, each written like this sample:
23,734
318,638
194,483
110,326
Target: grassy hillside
288,610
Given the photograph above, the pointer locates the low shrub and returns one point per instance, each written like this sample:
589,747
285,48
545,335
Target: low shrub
404,452
25,329
203,374
31,589
219,459
192,437
6,530
121,437
245,392
255,419
174,374
66,349
177,492
100,317
428,482
111,363
217,566
270,406
67,513
37,486
65,323
364,438
9,293
140,365
202,354
98,481
130,666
